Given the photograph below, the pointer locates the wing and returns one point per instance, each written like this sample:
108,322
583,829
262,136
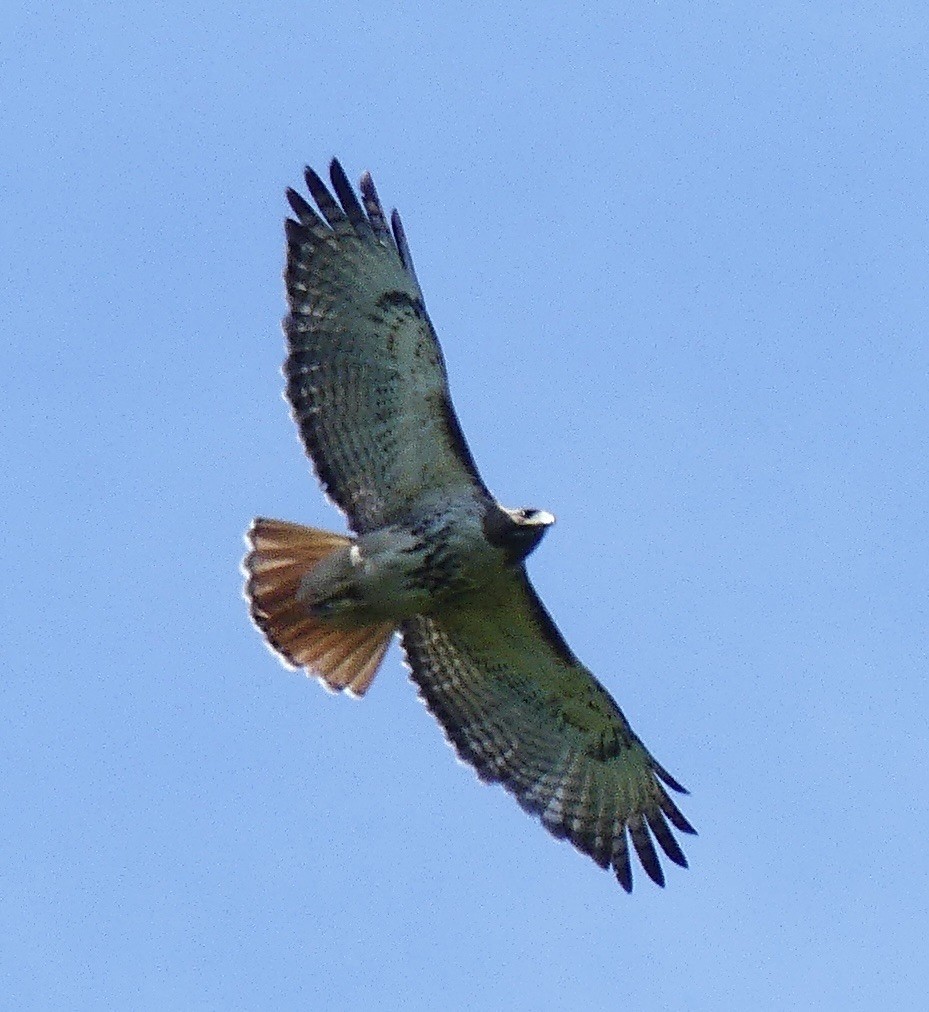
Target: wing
518,706
365,375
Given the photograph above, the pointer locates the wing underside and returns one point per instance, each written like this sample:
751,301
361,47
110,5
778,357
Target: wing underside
525,713
365,375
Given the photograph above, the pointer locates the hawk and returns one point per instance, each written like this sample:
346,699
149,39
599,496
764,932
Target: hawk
432,555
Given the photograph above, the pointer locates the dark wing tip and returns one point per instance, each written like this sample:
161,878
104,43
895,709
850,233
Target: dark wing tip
372,203
397,225
348,199
622,867
666,778
295,232
335,216
402,246
303,211
663,835
313,181
674,814
644,847
339,179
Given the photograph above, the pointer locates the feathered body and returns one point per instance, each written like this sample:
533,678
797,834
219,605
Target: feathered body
418,567
433,556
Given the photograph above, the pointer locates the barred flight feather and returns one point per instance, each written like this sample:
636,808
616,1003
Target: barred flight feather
485,693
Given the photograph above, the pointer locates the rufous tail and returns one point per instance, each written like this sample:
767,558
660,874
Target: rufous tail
280,555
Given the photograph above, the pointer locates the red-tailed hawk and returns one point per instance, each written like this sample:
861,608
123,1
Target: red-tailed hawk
433,556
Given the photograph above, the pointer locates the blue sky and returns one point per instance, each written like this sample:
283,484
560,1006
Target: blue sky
677,257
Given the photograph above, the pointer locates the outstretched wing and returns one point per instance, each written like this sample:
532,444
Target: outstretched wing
365,375
518,706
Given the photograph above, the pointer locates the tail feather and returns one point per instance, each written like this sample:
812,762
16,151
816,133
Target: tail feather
364,675
351,662
280,554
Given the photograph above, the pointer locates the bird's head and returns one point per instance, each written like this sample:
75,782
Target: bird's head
521,530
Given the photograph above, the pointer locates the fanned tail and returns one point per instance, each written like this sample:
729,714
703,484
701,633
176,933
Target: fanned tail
280,555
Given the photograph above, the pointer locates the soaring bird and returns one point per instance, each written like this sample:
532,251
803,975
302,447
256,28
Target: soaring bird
432,555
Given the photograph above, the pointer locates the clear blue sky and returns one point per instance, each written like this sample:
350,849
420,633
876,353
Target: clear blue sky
677,256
